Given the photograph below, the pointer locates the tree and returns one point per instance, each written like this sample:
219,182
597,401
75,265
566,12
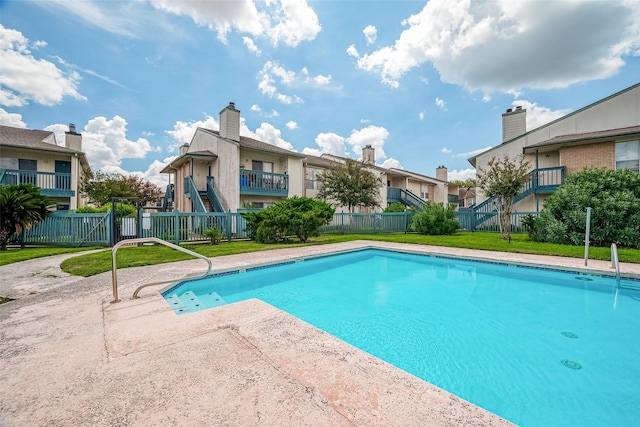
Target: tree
467,183
297,216
350,185
21,206
435,219
101,187
613,196
504,180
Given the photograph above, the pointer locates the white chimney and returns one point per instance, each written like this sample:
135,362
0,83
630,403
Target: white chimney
183,149
230,122
369,155
514,123
73,140
441,173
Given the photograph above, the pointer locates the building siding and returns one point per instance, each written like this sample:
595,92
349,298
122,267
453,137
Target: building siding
599,155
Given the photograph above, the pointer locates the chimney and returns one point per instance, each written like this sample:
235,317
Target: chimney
183,149
441,173
514,123
369,155
72,139
230,122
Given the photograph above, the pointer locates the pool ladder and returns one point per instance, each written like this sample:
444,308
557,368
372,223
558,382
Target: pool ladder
136,242
615,263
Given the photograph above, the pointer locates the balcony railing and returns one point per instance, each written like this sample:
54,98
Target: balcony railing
263,183
50,183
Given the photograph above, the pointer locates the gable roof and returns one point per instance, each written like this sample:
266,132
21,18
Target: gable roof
584,137
31,139
255,144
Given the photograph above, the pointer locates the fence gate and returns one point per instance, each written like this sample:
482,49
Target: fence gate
125,223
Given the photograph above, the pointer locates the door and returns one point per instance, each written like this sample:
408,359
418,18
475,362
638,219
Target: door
63,182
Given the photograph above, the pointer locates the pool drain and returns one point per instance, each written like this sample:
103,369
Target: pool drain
569,334
571,364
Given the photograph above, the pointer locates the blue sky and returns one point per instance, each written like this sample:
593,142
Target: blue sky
425,83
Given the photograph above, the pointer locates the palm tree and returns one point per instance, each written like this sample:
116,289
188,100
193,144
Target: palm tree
21,206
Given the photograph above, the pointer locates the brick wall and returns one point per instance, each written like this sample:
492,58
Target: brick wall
598,155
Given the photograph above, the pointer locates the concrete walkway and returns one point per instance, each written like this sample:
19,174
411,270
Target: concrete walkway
68,357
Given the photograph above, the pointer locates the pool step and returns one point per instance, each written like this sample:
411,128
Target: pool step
190,302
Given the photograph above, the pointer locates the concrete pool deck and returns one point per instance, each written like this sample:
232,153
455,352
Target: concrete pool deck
70,357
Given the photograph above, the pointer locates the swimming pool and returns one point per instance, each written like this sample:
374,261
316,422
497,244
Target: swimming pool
537,347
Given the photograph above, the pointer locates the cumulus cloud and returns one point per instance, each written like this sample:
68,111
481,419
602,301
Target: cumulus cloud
421,115
269,134
391,163
461,175
291,125
538,115
504,45
441,104
445,150
274,76
25,78
474,152
371,135
183,132
352,51
370,33
11,119
248,42
289,22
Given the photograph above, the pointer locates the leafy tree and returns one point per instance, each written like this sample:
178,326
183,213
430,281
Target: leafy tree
504,180
614,197
296,216
21,206
350,185
469,182
435,219
101,187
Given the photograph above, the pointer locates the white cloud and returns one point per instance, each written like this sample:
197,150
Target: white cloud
391,163
255,107
441,104
474,152
331,143
269,134
371,135
461,175
248,42
152,174
421,115
505,45
538,115
25,79
370,33
273,75
445,150
11,119
280,21
183,132
291,125
352,51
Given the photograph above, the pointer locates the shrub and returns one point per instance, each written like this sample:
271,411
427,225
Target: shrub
614,197
435,219
395,207
214,235
297,216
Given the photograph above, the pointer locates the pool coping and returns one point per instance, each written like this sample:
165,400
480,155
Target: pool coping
73,358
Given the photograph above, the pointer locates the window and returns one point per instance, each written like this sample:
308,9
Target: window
312,182
257,165
628,155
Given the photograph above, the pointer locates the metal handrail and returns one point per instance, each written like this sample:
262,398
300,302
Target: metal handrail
615,263
131,242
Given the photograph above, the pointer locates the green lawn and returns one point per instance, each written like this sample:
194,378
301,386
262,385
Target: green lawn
88,265
99,262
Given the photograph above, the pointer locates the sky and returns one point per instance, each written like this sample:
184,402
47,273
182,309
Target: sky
423,82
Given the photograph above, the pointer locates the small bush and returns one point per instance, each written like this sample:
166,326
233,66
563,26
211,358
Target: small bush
435,219
395,207
214,235
297,216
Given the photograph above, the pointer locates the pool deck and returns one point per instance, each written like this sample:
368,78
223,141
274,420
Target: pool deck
69,357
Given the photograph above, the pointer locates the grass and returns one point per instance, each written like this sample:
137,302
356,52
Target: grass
16,255
99,262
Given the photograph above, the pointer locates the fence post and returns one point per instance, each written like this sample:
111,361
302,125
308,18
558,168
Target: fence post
73,228
176,227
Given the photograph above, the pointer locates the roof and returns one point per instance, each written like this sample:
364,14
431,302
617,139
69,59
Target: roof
321,162
255,144
584,137
472,159
31,139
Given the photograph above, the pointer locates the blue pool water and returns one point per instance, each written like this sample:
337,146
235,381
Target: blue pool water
537,347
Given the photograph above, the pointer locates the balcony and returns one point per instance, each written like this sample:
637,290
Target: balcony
264,183
51,184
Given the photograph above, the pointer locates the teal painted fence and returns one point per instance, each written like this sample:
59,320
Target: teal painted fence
69,229
75,229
